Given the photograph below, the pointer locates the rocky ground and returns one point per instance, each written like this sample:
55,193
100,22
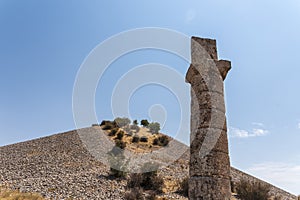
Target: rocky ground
60,167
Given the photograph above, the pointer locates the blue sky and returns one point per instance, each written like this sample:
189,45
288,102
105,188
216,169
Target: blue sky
43,44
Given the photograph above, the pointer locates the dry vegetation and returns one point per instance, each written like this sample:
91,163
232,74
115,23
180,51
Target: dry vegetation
147,141
15,195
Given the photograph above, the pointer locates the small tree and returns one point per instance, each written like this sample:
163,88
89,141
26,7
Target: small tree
144,123
154,127
135,122
121,122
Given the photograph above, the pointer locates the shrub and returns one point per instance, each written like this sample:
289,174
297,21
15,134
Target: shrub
107,127
95,124
135,139
184,187
144,123
134,194
161,141
135,180
147,181
154,127
135,127
121,144
144,139
152,182
249,191
121,122
113,132
151,196
104,122
135,122
120,135
108,124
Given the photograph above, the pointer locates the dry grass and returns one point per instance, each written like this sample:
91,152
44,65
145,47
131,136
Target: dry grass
140,147
6,194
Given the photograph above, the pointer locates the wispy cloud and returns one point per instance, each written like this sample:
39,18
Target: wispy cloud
283,175
258,124
190,15
240,133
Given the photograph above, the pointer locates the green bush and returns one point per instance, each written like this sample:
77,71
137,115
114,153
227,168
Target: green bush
135,122
144,123
135,139
249,191
154,127
121,122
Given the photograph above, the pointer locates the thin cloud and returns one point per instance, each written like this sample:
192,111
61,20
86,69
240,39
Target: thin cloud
190,15
282,175
258,124
240,133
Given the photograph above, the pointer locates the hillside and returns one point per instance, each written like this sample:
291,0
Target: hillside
60,167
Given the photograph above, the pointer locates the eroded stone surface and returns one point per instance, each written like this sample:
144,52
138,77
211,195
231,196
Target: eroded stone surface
209,160
207,188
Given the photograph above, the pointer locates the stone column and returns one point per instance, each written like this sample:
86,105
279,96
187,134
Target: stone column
209,161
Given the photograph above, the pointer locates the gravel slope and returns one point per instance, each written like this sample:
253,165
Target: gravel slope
59,167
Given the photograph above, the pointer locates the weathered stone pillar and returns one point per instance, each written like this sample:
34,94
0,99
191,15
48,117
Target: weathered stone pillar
209,162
